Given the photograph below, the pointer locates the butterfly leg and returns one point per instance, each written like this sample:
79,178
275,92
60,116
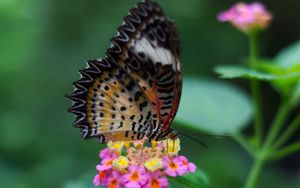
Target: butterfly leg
142,152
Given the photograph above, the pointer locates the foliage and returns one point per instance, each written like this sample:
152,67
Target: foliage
284,74
211,106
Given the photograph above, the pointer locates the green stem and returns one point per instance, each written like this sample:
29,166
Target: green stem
255,90
277,123
255,172
290,131
286,151
253,48
256,101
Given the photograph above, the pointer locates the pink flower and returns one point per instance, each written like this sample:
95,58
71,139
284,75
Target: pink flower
140,166
106,164
114,180
101,178
157,180
247,17
174,166
136,177
106,153
97,180
191,167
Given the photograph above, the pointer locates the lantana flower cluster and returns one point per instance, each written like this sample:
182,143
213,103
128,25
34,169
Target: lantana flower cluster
134,165
247,17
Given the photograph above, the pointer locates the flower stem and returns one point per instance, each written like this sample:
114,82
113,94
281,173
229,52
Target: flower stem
259,159
253,48
255,172
291,129
286,151
277,123
255,90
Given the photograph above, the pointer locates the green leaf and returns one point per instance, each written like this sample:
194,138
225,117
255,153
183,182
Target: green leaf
269,66
289,56
282,78
213,106
244,72
193,180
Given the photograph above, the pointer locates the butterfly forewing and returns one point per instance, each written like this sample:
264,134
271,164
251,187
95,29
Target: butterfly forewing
135,91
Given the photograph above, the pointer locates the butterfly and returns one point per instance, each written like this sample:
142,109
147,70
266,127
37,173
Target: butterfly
133,92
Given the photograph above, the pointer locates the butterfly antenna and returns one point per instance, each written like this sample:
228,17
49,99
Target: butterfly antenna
194,139
216,136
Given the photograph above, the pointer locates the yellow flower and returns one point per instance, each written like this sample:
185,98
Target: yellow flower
155,143
172,147
153,164
120,164
127,144
115,146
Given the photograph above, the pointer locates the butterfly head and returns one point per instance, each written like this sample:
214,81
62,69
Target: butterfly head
173,134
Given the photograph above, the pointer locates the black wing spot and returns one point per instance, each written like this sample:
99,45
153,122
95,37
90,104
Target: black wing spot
142,55
151,36
134,64
143,105
137,95
122,117
132,117
123,108
160,34
106,88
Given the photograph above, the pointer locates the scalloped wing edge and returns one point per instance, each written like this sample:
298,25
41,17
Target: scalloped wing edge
96,66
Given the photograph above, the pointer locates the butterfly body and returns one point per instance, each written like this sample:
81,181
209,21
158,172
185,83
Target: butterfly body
134,92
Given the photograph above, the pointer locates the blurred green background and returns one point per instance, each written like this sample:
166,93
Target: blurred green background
44,43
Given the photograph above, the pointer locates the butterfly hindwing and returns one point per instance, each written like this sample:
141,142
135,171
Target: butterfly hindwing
113,102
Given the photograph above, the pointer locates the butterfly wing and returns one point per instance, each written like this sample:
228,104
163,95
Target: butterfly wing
136,88
149,46
108,102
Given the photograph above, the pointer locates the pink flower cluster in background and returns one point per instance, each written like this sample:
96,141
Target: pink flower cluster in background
133,165
247,17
